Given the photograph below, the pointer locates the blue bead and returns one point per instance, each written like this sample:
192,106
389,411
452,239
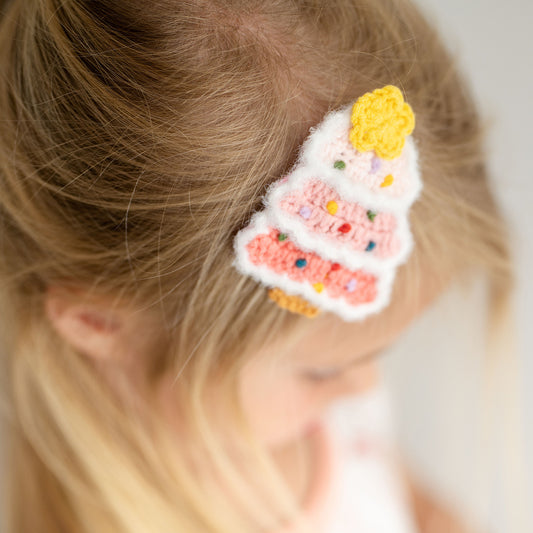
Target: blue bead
300,263
370,247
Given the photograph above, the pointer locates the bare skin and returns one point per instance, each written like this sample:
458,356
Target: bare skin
281,396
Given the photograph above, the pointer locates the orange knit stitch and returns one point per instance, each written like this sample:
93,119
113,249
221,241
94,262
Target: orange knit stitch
295,304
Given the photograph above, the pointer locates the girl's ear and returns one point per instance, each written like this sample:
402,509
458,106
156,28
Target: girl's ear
92,328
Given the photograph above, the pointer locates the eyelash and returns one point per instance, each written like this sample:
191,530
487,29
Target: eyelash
321,376
324,376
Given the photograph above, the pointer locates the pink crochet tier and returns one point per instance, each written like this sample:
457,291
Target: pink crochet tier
284,257
351,225
368,169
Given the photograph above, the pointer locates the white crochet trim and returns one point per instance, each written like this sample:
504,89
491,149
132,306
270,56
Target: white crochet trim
259,224
309,166
314,145
310,241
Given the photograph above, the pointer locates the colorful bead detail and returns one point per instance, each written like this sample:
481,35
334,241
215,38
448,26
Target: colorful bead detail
375,165
366,224
332,207
265,250
334,268
300,263
341,165
370,247
282,237
319,287
387,182
351,285
345,228
305,211
368,170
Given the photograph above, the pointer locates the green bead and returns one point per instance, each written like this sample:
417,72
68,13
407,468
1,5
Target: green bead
282,237
341,165
371,215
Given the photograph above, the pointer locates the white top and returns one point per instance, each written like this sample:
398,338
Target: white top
357,487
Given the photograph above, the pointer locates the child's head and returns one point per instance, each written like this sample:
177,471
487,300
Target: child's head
134,144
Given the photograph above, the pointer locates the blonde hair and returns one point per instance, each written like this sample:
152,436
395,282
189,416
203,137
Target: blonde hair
134,144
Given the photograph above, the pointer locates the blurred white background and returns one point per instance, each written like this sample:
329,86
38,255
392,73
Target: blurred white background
436,389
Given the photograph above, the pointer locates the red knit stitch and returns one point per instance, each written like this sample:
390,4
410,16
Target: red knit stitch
266,249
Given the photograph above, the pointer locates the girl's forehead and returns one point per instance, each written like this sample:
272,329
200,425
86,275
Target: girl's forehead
338,343
330,340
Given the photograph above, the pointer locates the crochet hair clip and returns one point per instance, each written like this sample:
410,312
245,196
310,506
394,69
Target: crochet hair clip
334,229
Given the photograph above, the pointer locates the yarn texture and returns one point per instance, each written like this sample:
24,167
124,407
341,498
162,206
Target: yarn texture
380,121
335,228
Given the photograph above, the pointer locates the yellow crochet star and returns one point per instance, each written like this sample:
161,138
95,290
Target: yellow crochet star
380,121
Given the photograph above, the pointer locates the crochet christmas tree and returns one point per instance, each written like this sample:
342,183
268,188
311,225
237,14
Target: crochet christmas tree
335,228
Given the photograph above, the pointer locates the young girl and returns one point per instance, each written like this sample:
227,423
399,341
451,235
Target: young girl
152,386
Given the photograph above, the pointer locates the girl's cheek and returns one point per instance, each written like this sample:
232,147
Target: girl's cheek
357,380
281,406
280,411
